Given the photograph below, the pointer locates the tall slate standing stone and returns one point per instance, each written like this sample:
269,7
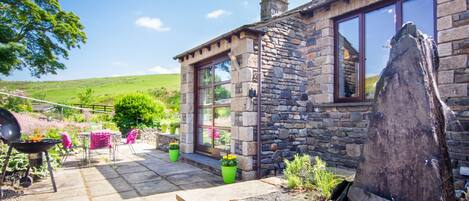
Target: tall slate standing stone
406,157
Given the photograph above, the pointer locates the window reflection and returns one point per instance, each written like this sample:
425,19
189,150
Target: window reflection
223,116
205,96
222,71
205,76
421,13
348,58
222,139
379,29
205,137
223,94
205,116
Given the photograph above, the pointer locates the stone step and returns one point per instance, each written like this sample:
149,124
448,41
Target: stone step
237,191
203,162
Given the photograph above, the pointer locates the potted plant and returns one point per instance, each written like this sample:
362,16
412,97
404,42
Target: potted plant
173,151
229,166
164,125
173,126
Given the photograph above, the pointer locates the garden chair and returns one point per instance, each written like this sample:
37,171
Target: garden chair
67,146
131,138
101,140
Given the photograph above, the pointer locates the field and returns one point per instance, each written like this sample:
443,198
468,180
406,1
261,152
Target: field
105,89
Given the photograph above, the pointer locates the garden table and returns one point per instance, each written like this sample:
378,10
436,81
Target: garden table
115,139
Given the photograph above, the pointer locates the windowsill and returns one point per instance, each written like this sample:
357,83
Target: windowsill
349,104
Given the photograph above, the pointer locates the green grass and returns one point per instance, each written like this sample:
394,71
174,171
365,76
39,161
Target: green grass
105,89
370,83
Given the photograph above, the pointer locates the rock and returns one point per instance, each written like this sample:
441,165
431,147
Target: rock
405,156
358,194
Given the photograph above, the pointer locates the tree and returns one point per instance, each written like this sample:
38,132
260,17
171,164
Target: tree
35,34
135,110
86,97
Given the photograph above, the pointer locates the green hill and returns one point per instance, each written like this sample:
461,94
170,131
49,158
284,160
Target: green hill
105,89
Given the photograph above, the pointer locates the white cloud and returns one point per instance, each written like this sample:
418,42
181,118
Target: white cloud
151,23
217,13
245,3
163,70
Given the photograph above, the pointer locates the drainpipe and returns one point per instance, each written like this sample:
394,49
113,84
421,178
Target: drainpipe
259,95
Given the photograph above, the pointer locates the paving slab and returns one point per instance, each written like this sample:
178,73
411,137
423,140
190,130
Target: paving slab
192,177
196,185
129,167
106,187
129,196
172,168
140,177
161,197
155,187
147,175
228,192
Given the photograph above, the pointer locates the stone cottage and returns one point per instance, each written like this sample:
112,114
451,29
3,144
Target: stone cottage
304,79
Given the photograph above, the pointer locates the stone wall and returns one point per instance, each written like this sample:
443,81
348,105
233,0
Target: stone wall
242,51
160,140
453,76
337,132
284,84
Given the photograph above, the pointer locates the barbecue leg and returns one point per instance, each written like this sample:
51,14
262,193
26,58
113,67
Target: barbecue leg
4,169
50,171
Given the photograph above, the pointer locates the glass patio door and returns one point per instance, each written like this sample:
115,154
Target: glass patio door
213,129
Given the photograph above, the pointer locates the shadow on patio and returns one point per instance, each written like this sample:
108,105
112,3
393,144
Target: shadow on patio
147,175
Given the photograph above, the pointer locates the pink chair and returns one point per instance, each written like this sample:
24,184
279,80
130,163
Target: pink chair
101,140
131,138
67,145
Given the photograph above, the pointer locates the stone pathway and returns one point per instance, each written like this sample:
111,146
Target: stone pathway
148,175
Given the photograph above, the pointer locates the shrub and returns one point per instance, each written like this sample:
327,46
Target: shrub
324,180
134,109
86,97
229,161
298,172
173,146
173,125
302,174
15,104
164,125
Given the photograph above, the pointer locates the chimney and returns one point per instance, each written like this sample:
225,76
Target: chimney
272,8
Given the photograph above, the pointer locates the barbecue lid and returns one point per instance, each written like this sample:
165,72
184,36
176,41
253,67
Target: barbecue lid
9,127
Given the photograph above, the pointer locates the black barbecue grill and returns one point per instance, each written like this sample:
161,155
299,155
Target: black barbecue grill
10,134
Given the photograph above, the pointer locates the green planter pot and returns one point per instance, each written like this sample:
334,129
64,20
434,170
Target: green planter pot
173,155
228,174
172,130
164,129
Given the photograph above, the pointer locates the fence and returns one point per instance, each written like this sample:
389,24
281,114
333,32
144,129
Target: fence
96,108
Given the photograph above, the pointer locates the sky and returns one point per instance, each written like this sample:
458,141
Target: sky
137,37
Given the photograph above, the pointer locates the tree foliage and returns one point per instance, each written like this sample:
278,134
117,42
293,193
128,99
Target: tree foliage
86,96
136,110
35,35
15,104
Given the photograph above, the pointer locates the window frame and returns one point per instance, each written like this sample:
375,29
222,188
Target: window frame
208,63
360,14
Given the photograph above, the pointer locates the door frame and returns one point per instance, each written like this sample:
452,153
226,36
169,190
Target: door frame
207,63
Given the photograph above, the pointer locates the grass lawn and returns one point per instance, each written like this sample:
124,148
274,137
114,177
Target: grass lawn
105,89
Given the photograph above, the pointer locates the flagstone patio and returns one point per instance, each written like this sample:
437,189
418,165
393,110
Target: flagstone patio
147,175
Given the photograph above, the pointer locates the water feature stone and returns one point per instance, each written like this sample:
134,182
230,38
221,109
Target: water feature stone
406,156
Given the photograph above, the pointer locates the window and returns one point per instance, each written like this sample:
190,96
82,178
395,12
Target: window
362,41
213,107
